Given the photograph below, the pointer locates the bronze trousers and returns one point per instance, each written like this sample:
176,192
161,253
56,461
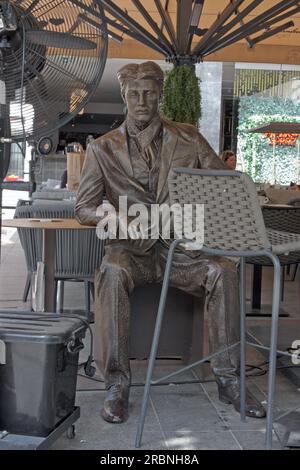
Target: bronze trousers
123,268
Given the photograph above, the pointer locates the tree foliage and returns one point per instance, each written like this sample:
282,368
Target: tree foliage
181,98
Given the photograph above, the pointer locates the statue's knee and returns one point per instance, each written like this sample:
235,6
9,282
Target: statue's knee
111,269
215,271
113,273
217,274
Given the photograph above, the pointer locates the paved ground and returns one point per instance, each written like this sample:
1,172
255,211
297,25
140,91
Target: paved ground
187,416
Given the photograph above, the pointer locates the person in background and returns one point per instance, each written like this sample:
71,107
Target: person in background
229,158
294,186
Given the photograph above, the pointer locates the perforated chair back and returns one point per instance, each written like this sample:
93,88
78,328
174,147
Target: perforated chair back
27,235
78,252
232,213
283,219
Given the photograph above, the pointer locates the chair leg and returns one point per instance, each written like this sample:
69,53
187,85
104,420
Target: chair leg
282,283
273,350
60,296
295,272
87,298
92,290
55,295
242,340
155,341
291,270
27,287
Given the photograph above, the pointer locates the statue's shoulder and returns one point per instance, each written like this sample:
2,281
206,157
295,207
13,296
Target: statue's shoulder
113,136
183,130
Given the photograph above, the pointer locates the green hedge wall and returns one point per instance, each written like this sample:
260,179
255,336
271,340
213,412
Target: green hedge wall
255,150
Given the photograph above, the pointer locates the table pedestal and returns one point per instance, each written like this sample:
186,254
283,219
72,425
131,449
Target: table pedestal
258,310
49,228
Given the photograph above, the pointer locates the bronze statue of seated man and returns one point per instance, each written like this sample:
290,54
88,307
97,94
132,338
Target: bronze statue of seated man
135,160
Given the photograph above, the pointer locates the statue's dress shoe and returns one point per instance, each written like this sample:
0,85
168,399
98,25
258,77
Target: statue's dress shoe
229,392
115,408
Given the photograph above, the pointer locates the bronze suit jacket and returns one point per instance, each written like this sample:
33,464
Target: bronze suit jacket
108,171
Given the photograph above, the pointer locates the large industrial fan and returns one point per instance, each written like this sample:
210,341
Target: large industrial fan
52,56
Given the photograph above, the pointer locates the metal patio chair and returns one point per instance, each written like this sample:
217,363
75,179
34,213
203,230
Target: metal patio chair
234,227
285,219
78,252
28,242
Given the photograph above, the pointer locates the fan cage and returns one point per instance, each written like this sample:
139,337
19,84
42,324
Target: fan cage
46,84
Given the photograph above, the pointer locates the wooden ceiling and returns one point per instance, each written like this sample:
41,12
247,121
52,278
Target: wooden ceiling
222,30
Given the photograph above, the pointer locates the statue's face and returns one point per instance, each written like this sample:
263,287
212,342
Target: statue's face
142,99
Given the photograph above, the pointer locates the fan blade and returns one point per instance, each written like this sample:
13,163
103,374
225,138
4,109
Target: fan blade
58,40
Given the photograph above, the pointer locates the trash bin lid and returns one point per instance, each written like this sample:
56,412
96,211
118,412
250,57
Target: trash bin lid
39,327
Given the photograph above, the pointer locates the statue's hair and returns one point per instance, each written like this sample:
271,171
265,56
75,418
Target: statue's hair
147,71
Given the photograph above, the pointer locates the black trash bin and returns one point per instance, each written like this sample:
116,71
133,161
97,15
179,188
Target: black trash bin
38,371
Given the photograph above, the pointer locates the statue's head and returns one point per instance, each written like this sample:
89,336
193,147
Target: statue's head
141,89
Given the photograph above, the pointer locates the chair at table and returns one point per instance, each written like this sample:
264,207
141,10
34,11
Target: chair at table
233,226
28,243
296,203
286,220
78,252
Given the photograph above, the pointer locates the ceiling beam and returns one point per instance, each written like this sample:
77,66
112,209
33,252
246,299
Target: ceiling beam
199,31
160,35
99,27
238,18
131,24
167,23
226,13
251,28
261,19
244,33
272,32
184,12
237,52
194,22
248,39
87,8
162,25
132,34
119,27
31,7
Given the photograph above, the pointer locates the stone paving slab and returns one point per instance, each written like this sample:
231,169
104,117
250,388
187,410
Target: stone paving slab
180,417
